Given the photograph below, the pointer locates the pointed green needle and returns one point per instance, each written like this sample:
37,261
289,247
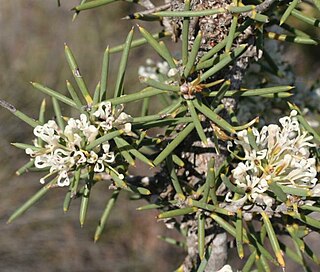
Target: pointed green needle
294,39
201,235
105,215
31,201
173,144
185,34
84,204
31,122
76,74
273,239
96,95
177,212
239,234
306,19
104,74
138,42
288,11
57,112
197,123
174,178
157,47
193,54
54,94
23,169
118,90
92,4
74,95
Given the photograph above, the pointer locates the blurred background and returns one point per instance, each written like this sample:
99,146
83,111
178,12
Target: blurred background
45,239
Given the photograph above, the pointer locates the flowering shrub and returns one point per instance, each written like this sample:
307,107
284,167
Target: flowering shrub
219,173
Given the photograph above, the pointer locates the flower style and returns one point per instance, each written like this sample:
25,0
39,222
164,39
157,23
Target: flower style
65,150
276,154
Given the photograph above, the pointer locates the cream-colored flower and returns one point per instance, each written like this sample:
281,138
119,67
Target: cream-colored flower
279,154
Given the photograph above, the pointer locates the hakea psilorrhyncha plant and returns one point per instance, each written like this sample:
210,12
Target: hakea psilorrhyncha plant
217,176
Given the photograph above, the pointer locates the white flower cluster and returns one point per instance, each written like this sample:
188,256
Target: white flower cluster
65,150
156,71
159,71
279,154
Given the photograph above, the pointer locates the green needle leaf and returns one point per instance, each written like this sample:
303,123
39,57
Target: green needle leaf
208,207
74,95
177,212
31,201
191,13
273,239
174,143
134,151
123,64
294,39
42,112
23,169
185,34
104,138
77,12
123,151
253,92
193,55
143,17
239,234
224,62
231,186
76,74
147,92
92,4
54,94
157,47
138,42
174,178
104,74
223,43
224,224
201,235
84,204
288,11
96,95
68,198
25,146
304,18
31,122
213,116
75,182
282,196
197,123
57,112
232,32
106,214
159,85
250,261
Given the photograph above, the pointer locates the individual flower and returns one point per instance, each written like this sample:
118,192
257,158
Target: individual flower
276,154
